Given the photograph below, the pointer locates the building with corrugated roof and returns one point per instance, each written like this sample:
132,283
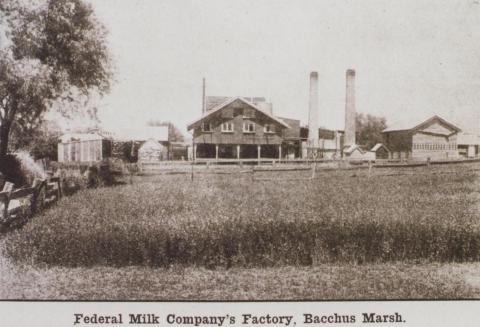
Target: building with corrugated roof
434,138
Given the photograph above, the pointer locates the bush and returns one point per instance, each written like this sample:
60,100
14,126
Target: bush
228,221
20,169
76,175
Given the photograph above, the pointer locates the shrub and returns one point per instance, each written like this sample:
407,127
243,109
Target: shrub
20,169
78,175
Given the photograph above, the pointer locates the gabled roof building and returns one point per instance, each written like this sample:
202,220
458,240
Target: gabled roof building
238,127
434,138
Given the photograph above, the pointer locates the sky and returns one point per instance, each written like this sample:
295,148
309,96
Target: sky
412,59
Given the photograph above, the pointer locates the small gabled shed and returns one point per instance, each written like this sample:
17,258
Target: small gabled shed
381,151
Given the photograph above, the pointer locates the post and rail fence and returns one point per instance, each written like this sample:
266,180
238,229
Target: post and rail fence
26,201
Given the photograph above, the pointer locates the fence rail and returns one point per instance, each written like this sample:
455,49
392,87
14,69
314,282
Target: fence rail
26,201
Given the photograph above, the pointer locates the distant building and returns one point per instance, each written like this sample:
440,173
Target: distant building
147,143
83,147
381,151
468,144
245,127
434,138
238,127
356,152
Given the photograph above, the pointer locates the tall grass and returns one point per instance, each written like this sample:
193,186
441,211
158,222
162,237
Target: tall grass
231,221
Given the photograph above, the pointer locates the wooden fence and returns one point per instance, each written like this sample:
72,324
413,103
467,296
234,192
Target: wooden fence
24,202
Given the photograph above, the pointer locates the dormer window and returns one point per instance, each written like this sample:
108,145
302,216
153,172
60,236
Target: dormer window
248,127
268,129
207,127
227,127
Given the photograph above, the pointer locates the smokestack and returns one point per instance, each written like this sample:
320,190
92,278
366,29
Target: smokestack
350,109
203,97
313,111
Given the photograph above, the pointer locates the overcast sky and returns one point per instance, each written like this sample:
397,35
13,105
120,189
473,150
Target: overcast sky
412,58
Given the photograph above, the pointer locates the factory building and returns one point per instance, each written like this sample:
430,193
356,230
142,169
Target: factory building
246,128
434,138
237,128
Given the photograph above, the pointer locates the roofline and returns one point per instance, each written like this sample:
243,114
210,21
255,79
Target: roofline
229,101
381,144
416,127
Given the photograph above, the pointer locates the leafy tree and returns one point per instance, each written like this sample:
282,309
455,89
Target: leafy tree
52,52
41,142
369,129
174,134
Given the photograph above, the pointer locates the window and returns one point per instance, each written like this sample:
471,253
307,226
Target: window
248,113
207,127
227,127
268,128
248,127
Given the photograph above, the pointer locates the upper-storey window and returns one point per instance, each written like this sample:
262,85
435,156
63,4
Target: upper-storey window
268,128
227,127
207,127
248,127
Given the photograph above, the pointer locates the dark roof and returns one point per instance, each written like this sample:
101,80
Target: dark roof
231,100
214,101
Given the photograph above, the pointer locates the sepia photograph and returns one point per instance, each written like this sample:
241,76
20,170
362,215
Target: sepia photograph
239,151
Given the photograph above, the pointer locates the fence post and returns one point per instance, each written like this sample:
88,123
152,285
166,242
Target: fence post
369,168
4,198
191,175
130,171
314,169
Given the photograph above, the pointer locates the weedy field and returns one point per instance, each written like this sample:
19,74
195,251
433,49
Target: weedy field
423,215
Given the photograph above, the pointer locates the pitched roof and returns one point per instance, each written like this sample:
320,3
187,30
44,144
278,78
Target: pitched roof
351,148
378,146
229,101
404,126
68,137
213,101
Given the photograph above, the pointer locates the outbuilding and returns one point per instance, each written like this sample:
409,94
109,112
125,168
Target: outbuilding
381,151
83,147
434,138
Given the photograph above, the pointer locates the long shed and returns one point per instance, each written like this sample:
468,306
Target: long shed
434,138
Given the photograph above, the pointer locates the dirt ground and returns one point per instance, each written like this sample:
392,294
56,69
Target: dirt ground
373,282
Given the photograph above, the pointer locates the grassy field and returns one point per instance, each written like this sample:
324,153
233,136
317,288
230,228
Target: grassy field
232,221
406,233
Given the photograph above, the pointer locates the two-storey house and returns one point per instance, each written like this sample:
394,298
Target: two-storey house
237,128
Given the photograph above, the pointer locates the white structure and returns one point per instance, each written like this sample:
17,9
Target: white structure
355,152
313,125
152,151
81,147
468,143
350,111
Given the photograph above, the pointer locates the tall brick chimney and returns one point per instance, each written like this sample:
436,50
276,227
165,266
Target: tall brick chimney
350,109
313,111
204,109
